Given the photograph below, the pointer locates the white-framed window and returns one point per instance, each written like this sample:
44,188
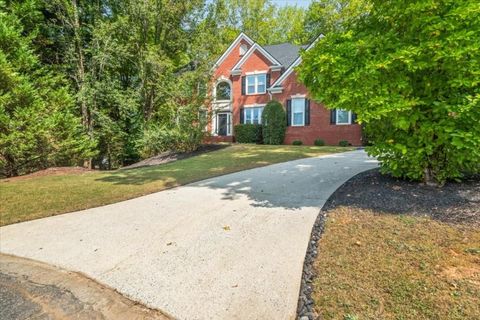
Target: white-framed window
343,117
256,83
223,91
252,115
298,111
243,49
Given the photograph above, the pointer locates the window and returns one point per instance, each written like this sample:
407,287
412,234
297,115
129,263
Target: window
243,49
253,115
256,84
298,112
223,91
343,117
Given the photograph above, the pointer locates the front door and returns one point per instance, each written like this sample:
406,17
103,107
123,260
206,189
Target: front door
222,124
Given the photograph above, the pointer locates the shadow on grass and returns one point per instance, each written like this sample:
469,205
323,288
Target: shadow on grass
206,164
141,176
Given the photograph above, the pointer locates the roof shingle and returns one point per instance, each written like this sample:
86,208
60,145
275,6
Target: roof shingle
285,53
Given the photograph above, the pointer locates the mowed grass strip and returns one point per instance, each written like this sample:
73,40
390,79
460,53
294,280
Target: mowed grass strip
37,197
378,266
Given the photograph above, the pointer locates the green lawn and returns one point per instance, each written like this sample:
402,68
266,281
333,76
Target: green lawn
378,266
42,196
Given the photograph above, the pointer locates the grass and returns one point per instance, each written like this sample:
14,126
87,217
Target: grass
37,197
378,266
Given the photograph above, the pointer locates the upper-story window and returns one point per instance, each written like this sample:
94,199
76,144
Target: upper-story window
243,49
223,91
257,84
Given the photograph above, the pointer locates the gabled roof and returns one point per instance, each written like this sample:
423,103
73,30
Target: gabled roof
286,53
241,36
277,84
256,47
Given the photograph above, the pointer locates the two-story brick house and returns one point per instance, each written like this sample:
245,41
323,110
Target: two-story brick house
248,75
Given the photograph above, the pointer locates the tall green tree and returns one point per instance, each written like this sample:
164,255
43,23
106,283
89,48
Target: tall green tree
411,72
262,20
325,16
125,59
37,126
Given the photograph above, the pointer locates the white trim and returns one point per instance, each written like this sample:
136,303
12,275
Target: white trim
276,68
275,90
256,72
241,36
259,105
256,46
229,123
293,113
349,118
294,64
298,96
219,80
236,72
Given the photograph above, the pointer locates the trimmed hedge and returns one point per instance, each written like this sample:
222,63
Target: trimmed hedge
297,142
319,142
248,133
274,124
343,143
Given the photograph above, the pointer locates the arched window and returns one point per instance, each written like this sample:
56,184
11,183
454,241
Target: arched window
223,91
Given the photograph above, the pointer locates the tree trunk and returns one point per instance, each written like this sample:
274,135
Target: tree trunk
86,116
11,169
429,177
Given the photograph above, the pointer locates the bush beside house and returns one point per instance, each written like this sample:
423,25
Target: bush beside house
248,133
274,124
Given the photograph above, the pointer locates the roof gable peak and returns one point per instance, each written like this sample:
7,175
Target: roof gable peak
256,47
240,37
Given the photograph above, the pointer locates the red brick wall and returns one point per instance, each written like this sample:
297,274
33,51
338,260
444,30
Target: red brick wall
319,128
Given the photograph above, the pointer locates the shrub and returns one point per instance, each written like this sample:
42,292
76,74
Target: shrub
248,133
319,142
343,143
297,143
158,139
274,124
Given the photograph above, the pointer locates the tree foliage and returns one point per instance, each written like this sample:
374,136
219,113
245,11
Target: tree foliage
273,123
37,125
325,16
129,72
261,20
411,72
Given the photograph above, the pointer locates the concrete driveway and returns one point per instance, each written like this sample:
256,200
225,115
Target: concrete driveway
230,247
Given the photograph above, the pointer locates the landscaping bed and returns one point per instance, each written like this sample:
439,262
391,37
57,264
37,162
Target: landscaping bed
453,203
170,156
384,248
